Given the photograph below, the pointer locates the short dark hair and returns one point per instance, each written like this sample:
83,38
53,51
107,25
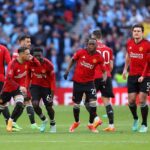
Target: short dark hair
37,49
138,26
23,37
97,33
22,49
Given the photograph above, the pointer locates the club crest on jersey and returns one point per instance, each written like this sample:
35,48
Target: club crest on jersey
25,66
94,61
140,49
43,71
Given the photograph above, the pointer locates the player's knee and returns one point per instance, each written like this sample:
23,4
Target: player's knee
76,106
35,104
19,104
92,103
143,104
2,107
19,98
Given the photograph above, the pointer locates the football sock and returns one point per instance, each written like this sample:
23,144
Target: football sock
144,112
92,114
52,122
76,112
88,108
30,112
110,113
133,109
51,112
17,110
6,114
38,111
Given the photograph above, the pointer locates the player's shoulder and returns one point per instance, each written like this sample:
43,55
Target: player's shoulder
2,47
146,41
81,50
47,61
130,41
13,62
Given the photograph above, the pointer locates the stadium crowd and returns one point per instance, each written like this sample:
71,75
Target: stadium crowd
50,24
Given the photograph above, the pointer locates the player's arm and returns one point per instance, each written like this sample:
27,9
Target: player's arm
7,56
111,65
103,69
127,60
141,78
111,61
71,63
52,83
10,75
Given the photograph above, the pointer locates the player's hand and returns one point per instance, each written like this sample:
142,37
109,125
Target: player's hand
30,57
66,75
140,79
124,74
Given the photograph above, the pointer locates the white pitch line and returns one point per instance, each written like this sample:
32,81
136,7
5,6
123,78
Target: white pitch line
102,142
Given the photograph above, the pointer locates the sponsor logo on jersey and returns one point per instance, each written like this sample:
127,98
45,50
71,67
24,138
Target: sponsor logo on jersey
87,65
21,75
136,55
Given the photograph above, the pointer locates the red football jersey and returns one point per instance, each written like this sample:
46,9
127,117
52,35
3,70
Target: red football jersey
43,75
137,54
85,65
146,71
4,56
17,74
107,54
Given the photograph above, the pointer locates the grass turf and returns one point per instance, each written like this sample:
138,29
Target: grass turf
82,138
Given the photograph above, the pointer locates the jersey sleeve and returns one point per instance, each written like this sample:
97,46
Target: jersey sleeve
102,64
7,56
52,79
146,65
77,55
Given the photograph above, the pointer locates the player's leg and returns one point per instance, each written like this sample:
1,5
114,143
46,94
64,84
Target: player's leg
30,112
144,112
77,97
18,109
107,93
6,114
144,88
132,94
48,102
36,96
90,92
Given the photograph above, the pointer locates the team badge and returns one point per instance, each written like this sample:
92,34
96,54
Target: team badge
94,60
25,66
43,71
140,49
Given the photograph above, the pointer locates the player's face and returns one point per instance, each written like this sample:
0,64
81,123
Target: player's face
26,42
137,33
91,46
26,55
38,55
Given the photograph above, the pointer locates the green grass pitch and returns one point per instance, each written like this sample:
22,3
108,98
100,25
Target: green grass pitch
81,139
